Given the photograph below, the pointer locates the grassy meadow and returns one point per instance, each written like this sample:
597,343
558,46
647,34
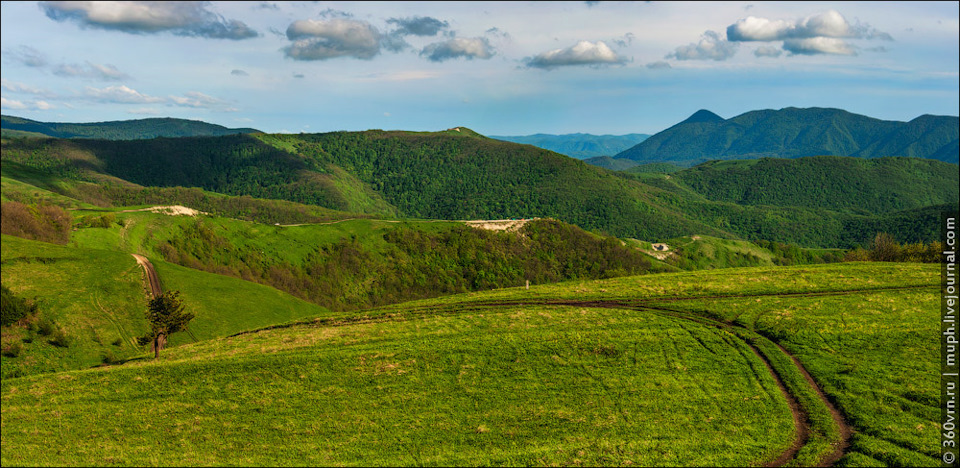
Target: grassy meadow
667,377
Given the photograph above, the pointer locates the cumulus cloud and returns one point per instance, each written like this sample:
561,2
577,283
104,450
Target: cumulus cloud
119,95
767,51
192,19
582,53
418,26
823,33
710,47
661,65
327,39
90,70
27,55
468,48
818,45
827,24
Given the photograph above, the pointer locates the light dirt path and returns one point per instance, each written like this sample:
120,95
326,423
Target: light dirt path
152,278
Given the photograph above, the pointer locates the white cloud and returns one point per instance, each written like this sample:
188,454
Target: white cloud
477,47
582,53
827,24
710,47
139,17
12,104
818,45
119,95
17,87
326,39
90,70
661,65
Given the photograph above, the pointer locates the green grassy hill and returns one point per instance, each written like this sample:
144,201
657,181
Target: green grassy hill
793,132
118,130
97,298
626,371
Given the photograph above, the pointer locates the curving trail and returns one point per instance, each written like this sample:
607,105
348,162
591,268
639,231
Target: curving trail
152,278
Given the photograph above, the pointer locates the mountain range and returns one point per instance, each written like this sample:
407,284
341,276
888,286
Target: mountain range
116,130
794,132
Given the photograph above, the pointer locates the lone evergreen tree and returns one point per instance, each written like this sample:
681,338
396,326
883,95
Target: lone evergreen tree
166,315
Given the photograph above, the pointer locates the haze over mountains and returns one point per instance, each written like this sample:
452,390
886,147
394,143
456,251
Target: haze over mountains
579,145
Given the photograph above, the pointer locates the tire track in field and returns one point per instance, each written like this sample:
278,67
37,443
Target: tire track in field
800,416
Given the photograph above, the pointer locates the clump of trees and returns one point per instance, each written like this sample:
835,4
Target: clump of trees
884,248
42,222
413,263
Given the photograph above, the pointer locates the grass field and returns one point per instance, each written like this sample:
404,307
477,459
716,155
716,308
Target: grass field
97,298
506,377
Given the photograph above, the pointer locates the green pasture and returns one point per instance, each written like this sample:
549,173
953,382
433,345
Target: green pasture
505,386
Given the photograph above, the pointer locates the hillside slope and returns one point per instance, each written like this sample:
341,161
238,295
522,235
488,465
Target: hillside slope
117,130
793,132
865,186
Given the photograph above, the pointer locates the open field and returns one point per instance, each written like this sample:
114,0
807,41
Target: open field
97,297
655,370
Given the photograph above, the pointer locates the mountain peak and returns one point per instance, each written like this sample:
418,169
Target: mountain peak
703,115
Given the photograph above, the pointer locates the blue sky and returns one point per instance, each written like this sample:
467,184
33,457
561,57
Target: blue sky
509,68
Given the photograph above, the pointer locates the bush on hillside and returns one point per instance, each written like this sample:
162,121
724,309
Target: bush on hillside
44,222
13,308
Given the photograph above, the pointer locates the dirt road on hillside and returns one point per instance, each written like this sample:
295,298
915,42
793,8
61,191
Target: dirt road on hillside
152,278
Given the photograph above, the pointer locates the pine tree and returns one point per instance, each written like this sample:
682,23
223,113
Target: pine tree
167,315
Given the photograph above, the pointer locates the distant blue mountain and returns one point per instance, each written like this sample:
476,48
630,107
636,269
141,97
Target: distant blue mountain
794,133
579,145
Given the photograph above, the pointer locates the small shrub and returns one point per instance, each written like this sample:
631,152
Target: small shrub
13,308
117,342
13,350
109,358
60,339
45,327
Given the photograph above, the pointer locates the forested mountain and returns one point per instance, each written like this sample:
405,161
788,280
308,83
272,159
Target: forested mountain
118,130
463,175
865,186
579,145
793,132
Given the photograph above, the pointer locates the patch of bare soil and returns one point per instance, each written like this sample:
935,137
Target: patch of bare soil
172,210
499,224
